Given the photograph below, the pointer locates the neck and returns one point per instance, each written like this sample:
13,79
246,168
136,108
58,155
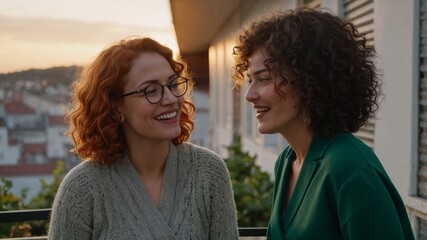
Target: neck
149,158
299,139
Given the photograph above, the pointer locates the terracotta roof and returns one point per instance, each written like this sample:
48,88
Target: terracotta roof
19,170
56,121
18,108
13,141
34,148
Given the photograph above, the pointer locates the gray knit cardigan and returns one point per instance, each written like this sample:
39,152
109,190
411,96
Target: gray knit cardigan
110,202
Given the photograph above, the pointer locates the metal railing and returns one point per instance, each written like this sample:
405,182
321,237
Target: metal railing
24,215
44,214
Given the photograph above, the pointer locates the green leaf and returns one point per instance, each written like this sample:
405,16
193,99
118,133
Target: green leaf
252,187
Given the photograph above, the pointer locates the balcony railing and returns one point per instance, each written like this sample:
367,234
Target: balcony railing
44,214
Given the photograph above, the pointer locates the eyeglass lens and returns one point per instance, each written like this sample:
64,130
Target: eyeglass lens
154,93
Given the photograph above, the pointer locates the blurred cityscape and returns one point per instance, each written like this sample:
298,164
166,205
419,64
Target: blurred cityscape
32,126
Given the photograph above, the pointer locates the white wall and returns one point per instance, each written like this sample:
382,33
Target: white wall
396,132
221,108
20,121
200,135
57,142
9,155
42,105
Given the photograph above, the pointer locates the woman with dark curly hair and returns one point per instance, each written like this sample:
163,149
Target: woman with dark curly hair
311,78
130,119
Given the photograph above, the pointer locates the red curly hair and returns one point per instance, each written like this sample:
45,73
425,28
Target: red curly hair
94,122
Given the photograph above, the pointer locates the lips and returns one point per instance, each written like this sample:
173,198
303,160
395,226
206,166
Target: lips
166,116
259,109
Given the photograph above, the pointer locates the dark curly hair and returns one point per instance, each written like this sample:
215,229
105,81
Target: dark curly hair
330,61
95,125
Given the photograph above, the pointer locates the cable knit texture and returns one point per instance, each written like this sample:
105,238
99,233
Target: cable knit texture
110,202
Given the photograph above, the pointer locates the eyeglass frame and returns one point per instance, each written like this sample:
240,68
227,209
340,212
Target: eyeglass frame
168,85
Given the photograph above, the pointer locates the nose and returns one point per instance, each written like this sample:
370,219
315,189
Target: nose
251,93
168,97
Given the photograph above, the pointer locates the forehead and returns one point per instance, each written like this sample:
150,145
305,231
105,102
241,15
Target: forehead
149,66
257,59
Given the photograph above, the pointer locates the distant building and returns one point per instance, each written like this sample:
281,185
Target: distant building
9,149
31,139
200,133
57,143
32,131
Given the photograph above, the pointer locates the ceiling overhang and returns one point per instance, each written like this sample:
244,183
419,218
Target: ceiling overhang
197,22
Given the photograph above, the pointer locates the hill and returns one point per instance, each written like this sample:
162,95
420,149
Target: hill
52,75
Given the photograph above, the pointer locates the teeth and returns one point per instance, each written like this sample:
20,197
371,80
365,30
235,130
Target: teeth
261,109
166,116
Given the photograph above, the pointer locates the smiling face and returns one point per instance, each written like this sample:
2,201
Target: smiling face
275,113
144,121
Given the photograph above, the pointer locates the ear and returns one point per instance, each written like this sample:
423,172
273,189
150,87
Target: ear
121,115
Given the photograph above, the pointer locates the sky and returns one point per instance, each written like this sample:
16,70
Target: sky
50,33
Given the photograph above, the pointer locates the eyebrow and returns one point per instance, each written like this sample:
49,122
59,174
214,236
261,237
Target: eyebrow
258,72
170,78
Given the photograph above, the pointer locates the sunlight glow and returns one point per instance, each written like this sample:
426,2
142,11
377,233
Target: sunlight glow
46,33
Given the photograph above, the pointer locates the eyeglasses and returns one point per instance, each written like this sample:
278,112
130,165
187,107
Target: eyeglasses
155,91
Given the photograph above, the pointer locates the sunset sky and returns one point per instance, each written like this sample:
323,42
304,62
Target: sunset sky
47,33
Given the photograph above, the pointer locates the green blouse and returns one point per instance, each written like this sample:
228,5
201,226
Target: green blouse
342,192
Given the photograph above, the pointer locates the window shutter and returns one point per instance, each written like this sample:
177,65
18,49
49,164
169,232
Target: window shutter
361,14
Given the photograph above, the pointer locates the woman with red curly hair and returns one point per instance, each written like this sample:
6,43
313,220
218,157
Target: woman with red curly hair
130,120
311,78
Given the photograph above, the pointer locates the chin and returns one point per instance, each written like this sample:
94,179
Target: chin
264,130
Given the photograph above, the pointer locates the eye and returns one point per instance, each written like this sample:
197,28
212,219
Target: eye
151,90
249,81
174,85
178,84
264,79
140,92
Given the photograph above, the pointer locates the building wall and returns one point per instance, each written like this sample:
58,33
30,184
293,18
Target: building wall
9,155
23,121
42,105
220,59
200,134
57,143
221,107
396,133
